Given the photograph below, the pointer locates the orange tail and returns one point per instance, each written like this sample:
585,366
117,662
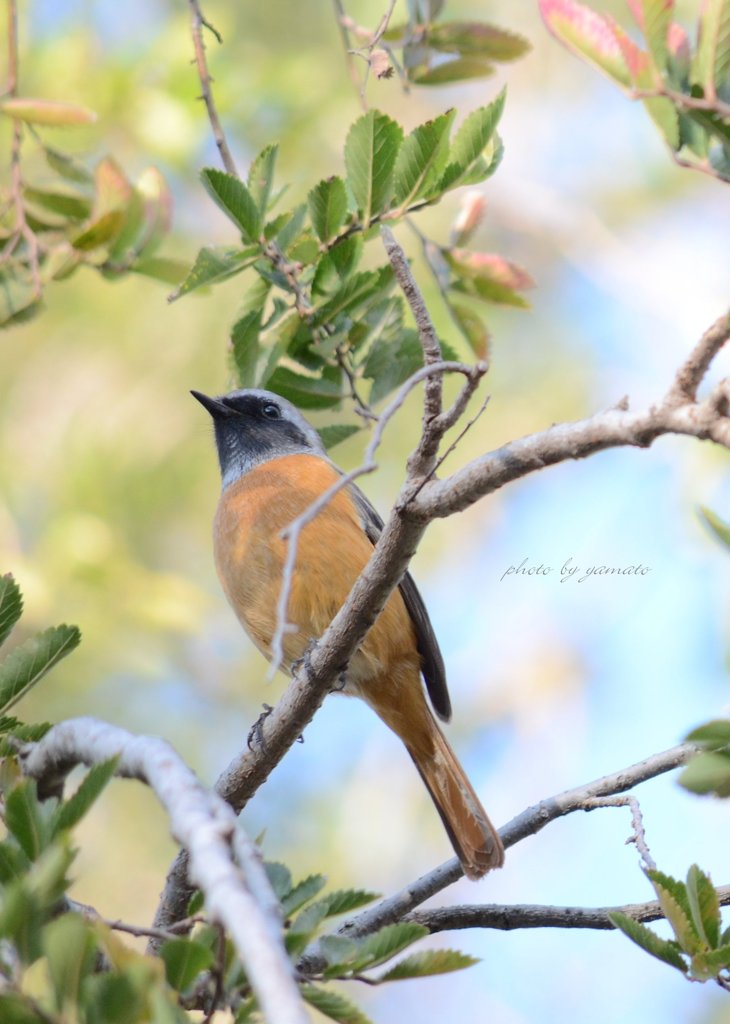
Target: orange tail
475,840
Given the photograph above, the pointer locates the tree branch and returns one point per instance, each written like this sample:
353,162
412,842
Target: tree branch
676,413
198,22
529,822
222,860
521,915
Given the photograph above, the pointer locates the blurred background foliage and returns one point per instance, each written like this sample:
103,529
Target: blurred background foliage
108,484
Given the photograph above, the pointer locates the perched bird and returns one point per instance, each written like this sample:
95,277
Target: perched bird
273,466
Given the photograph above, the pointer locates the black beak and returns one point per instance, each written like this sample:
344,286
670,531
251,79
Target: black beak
215,407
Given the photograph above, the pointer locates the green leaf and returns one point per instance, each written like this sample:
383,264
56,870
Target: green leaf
184,960
342,901
356,290
371,150
712,60
662,949
214,264
472,328
711,963
336,433
27,664
672,896
99,232
70,946
234,199
719,527
292,224
328,207
461,69
24,819
18,1009
588,34
708,773
70,206
246,348
261,177
13,862
280,878
333,1005
11,605
712,734
95,781
704,906
339,952
305,392
66,166
433,961
470,142
387,943
390,363
477,39
161,268
657,17
302,893
346,255
422,160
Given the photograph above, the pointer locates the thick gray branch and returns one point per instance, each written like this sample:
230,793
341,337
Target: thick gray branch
222,860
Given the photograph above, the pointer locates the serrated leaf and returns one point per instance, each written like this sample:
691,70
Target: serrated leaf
279,876
356,290
390,363
291,227
184,960
656,18
333,1005
27,664
422,159
53,113
719,527
461,69
233,197
346,255
11,605
704,906
327,203
662,949
13,862
245,346
672,896
302,893
261,177
588,34
305,392
708,773
95,781
70,947
712,60
339,952
214,264
711,963
342,901
470,141
387,942
336,433
24,819
371,150
432,961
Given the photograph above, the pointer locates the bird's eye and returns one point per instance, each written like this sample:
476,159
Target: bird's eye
271,411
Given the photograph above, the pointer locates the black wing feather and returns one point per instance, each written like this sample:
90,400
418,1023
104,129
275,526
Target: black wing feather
432,662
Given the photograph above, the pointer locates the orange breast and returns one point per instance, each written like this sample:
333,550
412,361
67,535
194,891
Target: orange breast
331,552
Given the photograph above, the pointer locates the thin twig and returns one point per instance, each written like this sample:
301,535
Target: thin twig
638,836
293,531
681,99
341,19
198,22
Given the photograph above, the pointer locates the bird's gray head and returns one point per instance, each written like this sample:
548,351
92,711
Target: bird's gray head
253,426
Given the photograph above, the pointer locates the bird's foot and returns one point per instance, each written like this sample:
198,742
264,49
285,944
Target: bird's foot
256,732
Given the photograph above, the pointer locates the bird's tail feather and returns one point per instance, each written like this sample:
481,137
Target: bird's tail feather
475,840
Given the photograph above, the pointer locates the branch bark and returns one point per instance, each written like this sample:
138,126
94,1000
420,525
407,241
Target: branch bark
222,859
